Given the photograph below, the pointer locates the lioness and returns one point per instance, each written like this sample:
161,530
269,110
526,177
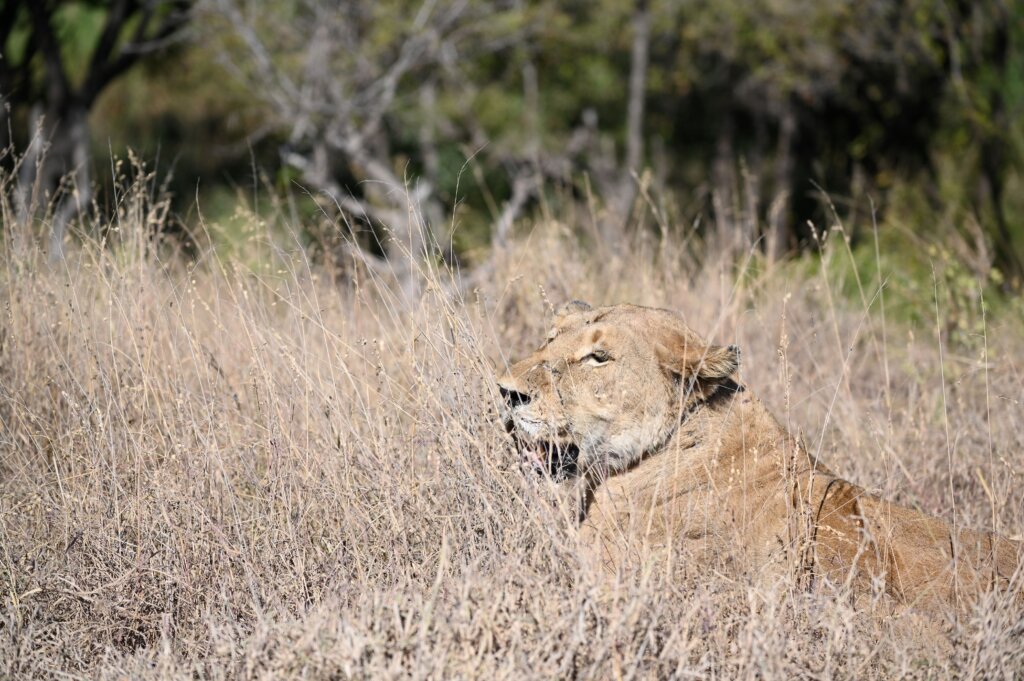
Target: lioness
646,423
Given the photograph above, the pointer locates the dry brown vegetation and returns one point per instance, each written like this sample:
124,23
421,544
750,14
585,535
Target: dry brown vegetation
232,470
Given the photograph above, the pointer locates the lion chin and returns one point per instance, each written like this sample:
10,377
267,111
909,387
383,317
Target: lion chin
674,453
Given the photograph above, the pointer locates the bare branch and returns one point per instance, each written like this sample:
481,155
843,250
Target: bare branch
115,20
523,187
637,86
56,77
104,69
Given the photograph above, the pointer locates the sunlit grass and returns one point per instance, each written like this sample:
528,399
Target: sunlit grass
211,468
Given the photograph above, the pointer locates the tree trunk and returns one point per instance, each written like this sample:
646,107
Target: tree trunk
723,190
637,86
625,193
994,163
779,215
428,133
59,149
76,195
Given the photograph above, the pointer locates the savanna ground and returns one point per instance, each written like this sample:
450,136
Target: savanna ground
260,465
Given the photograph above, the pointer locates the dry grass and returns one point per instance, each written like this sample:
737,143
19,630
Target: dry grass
225,471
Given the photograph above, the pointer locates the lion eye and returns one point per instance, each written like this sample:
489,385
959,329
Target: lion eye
596,358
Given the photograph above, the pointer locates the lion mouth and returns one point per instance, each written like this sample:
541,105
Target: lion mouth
559,460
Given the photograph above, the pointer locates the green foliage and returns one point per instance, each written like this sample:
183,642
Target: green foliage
78,26
918,107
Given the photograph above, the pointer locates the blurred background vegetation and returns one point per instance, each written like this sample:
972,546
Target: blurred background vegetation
764,122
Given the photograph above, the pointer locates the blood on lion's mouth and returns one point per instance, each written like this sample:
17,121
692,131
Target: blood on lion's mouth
558,459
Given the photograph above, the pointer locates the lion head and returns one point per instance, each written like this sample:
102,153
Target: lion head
608,386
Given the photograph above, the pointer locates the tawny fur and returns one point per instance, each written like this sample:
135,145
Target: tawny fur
674,452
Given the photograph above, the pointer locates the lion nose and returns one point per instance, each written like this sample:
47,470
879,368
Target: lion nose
513,398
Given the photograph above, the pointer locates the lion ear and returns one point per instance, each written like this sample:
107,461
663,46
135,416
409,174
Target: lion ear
572,307
719,362
707,363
